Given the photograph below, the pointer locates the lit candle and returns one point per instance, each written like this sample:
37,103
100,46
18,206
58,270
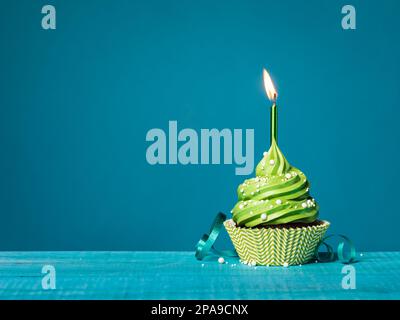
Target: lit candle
272,95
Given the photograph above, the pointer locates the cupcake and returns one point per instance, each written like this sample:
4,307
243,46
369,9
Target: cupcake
275,221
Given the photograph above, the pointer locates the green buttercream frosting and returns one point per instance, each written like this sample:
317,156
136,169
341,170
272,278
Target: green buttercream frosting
278,194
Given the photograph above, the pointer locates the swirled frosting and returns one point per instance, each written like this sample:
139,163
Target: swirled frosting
278,194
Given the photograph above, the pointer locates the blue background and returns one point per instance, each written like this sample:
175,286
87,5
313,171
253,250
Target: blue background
76,104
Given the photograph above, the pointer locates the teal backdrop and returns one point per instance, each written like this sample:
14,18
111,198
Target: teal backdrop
76,104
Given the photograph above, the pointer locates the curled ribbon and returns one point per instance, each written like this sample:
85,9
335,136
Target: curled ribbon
330,254
205,246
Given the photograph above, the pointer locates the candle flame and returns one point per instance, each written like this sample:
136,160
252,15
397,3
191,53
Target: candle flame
269,86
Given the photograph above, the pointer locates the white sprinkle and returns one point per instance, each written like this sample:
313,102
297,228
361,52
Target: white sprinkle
258,190
288,175
240,206
265,153
221,260
241,190
231,223
263,216
252,193
251,212
272,162
304,205
253,263
285,264
279,201
202,264
231,211
361,254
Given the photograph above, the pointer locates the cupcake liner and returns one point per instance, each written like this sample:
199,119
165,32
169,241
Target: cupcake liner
276,246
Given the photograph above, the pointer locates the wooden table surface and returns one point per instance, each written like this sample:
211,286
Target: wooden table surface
178,275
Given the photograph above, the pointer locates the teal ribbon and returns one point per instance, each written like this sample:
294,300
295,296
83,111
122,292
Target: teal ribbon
205,247
330,254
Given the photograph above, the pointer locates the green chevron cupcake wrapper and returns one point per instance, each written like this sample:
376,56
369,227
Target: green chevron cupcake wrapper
276,246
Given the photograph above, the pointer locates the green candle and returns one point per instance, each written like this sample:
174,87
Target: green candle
272,95
274,123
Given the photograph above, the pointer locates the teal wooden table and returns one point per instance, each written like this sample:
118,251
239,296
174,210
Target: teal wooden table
178,275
